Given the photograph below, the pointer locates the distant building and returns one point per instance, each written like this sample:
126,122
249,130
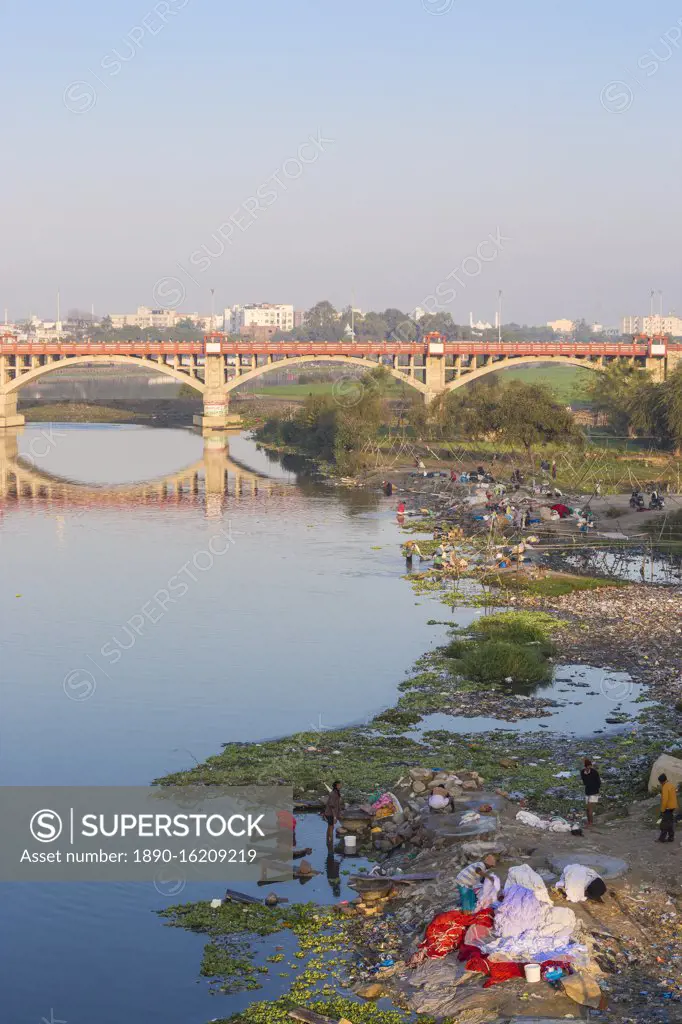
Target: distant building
265,314
146,317
561,326
597,328
651,325
259,332
299,317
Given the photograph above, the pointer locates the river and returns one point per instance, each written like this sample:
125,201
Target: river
301,624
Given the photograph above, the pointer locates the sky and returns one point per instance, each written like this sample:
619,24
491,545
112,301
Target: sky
380,152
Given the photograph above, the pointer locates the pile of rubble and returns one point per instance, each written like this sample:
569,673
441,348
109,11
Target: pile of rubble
405,815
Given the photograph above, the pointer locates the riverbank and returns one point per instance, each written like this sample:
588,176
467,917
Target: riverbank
597,640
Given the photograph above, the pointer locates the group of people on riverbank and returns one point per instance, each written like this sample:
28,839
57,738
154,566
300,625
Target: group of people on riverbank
592,784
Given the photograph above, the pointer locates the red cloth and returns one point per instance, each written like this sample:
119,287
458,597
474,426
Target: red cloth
497,971
563,510
285,819
446,931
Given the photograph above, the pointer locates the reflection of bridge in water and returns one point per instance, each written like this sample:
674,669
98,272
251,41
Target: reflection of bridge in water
212,479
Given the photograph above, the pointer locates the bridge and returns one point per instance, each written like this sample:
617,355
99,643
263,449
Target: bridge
213,480
215,366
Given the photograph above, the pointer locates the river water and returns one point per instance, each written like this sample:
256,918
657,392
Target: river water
300,624
291,616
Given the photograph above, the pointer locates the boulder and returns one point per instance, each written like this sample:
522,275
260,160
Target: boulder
373,990
668,765
420,774
582,989
470,784
419,787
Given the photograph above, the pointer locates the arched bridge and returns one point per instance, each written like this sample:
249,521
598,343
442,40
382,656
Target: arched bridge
216,366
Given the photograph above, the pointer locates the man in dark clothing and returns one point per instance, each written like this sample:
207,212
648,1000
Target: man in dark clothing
592,783
332,811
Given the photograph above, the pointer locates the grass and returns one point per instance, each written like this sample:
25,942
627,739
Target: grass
552,586
83,412
497,661
567,382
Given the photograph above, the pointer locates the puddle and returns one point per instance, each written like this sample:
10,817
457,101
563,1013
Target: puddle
634,565
588,697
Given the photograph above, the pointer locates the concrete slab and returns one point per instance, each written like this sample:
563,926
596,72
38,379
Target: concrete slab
607,867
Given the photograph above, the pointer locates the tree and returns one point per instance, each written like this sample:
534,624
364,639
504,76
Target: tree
321,316
582,332
669,406
186,323
623,393
440,322
517,414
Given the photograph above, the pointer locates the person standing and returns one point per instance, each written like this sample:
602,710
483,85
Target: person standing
669,805
553,469
332,811
592,783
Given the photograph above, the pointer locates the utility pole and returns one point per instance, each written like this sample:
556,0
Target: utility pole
212,310
58,325
499,317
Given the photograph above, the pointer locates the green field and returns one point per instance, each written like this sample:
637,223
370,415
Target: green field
566,381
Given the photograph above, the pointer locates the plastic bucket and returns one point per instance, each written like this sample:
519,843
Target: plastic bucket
350,843
532,972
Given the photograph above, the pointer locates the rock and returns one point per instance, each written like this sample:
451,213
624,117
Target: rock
583,989
607,867
373,990
470,784
419,787
420,774
478,850
398,818
668,765
506,762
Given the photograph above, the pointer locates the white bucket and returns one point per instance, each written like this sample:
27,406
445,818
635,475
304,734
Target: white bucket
349,844
532,972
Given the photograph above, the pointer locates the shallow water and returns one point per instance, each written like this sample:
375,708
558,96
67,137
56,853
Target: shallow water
588,697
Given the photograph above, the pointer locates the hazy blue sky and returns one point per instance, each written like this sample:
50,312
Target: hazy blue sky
129,140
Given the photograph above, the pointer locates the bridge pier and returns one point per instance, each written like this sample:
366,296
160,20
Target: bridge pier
216,413
434,376
9,417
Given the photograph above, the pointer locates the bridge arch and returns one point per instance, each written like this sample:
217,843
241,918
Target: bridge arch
139,361
509,364
282,364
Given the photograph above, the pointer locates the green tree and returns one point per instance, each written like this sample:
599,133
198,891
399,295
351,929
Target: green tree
669,407
321,316
517,414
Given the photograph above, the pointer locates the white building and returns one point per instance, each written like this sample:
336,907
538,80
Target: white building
651,325
561,326
146,317
264,314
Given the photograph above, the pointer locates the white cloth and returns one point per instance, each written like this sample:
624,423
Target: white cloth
574,880
489,893
555,825
438,802
529,930
524,875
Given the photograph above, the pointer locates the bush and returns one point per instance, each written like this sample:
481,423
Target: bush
494,661
517,628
